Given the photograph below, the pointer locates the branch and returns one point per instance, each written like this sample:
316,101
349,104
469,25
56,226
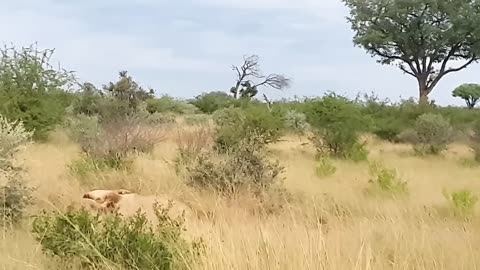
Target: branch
473,59
275,81
444,72
404,69
407,61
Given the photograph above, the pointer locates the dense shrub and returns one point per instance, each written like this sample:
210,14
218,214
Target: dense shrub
14,193
338,124
462,202
234,124
88,101
110,142
296,122
433,133
160,119
213,101
80,240
475,139
325,167
196,119
244,167
32,90
169,104
385,181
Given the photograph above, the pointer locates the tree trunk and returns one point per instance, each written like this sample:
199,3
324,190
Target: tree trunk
423,91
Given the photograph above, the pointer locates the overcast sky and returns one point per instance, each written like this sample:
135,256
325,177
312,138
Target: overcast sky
185,47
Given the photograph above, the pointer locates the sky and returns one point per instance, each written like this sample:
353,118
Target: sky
185,47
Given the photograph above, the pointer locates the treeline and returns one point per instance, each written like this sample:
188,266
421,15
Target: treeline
32,90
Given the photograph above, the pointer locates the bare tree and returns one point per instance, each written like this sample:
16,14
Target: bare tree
249,74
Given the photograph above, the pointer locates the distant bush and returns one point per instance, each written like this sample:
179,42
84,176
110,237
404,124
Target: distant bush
475,140
296,122
110,142
434,133
191,143
169,104
234,124
88,101
80,240
213,101
463,202
408,136
385,181
196,119
160,118
338,124
14,193
244,167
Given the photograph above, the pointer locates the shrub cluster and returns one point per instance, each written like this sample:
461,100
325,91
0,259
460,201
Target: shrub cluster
107,144
79,239
243,167
14,193
338,124
433,133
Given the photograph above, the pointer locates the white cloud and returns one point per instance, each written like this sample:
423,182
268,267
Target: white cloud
94,55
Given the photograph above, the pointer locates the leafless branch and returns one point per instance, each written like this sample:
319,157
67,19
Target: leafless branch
250,72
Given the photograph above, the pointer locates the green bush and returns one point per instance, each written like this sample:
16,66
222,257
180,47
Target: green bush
213,101
234,124
244,167
81,240
196,119
88,101
32,90
14,193
160,118
296,122
475,140
337,124
434,133
463,202
325,167
385,181
167,104
109,143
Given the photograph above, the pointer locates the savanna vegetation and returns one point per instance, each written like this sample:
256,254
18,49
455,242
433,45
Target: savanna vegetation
327,182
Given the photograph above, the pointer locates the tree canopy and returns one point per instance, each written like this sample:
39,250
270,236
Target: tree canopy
422,37
470,92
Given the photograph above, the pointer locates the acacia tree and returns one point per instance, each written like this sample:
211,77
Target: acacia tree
470,92
250,77
422,37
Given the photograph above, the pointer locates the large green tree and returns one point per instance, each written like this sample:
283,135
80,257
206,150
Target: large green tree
470,92
422,37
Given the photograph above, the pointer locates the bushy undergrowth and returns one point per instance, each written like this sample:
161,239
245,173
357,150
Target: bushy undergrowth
108,144
462,202
385,181
243,167
433,134
84,241
234,124
296,122
14,193
325,167
338,124
166,104
475,140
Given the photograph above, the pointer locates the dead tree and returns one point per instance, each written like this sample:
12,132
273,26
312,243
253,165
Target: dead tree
249,73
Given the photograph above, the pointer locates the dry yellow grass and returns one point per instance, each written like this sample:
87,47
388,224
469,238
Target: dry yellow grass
333,226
